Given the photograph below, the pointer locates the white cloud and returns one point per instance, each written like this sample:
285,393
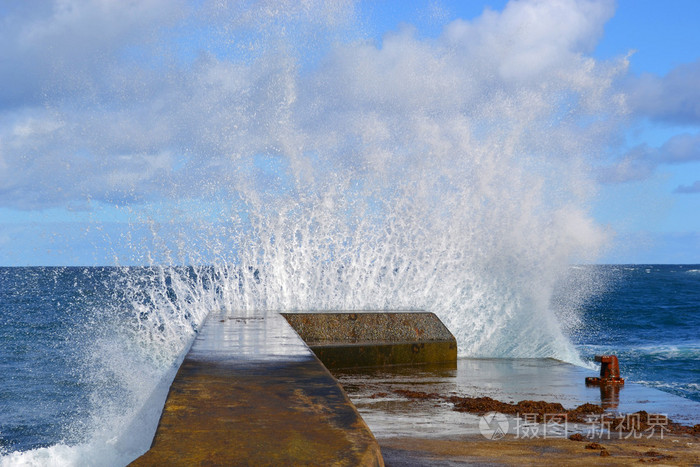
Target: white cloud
679,149
672,98
112,81
530,39
640,162
70,46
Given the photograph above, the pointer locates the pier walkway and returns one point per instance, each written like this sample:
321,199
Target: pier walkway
251,392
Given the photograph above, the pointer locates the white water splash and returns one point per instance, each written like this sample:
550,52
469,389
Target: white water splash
448,174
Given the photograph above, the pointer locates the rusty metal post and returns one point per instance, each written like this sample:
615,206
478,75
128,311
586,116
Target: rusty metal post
609,371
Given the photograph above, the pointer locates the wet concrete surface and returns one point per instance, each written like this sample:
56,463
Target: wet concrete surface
368,326
363,339
250,392
429,432
390,415
671,450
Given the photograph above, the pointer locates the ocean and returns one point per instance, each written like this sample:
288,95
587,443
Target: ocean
88,353
650,318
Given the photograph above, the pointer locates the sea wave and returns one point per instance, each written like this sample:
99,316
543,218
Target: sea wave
682,389
688,351
668,368
60,455
667,384
117,440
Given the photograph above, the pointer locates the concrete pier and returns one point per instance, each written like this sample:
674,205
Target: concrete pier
250,392
368,339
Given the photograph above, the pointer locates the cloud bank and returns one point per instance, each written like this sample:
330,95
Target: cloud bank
673,99
640,162
123,102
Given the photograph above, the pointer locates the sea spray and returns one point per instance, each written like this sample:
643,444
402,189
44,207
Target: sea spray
259,157
120,334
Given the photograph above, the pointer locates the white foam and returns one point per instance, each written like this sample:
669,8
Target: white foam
131,352
451,175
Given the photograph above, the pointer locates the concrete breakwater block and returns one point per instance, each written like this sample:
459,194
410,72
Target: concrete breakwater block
250,392
359,339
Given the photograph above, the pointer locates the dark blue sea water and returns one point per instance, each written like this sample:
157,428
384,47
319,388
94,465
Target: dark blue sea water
84,354
82,350
650,318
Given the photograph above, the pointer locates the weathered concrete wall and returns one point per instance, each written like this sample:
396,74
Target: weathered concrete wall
355,339
250,392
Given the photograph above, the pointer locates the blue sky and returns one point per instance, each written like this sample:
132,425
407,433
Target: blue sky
656,216
114,116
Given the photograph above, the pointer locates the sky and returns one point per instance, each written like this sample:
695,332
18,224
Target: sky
109,106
